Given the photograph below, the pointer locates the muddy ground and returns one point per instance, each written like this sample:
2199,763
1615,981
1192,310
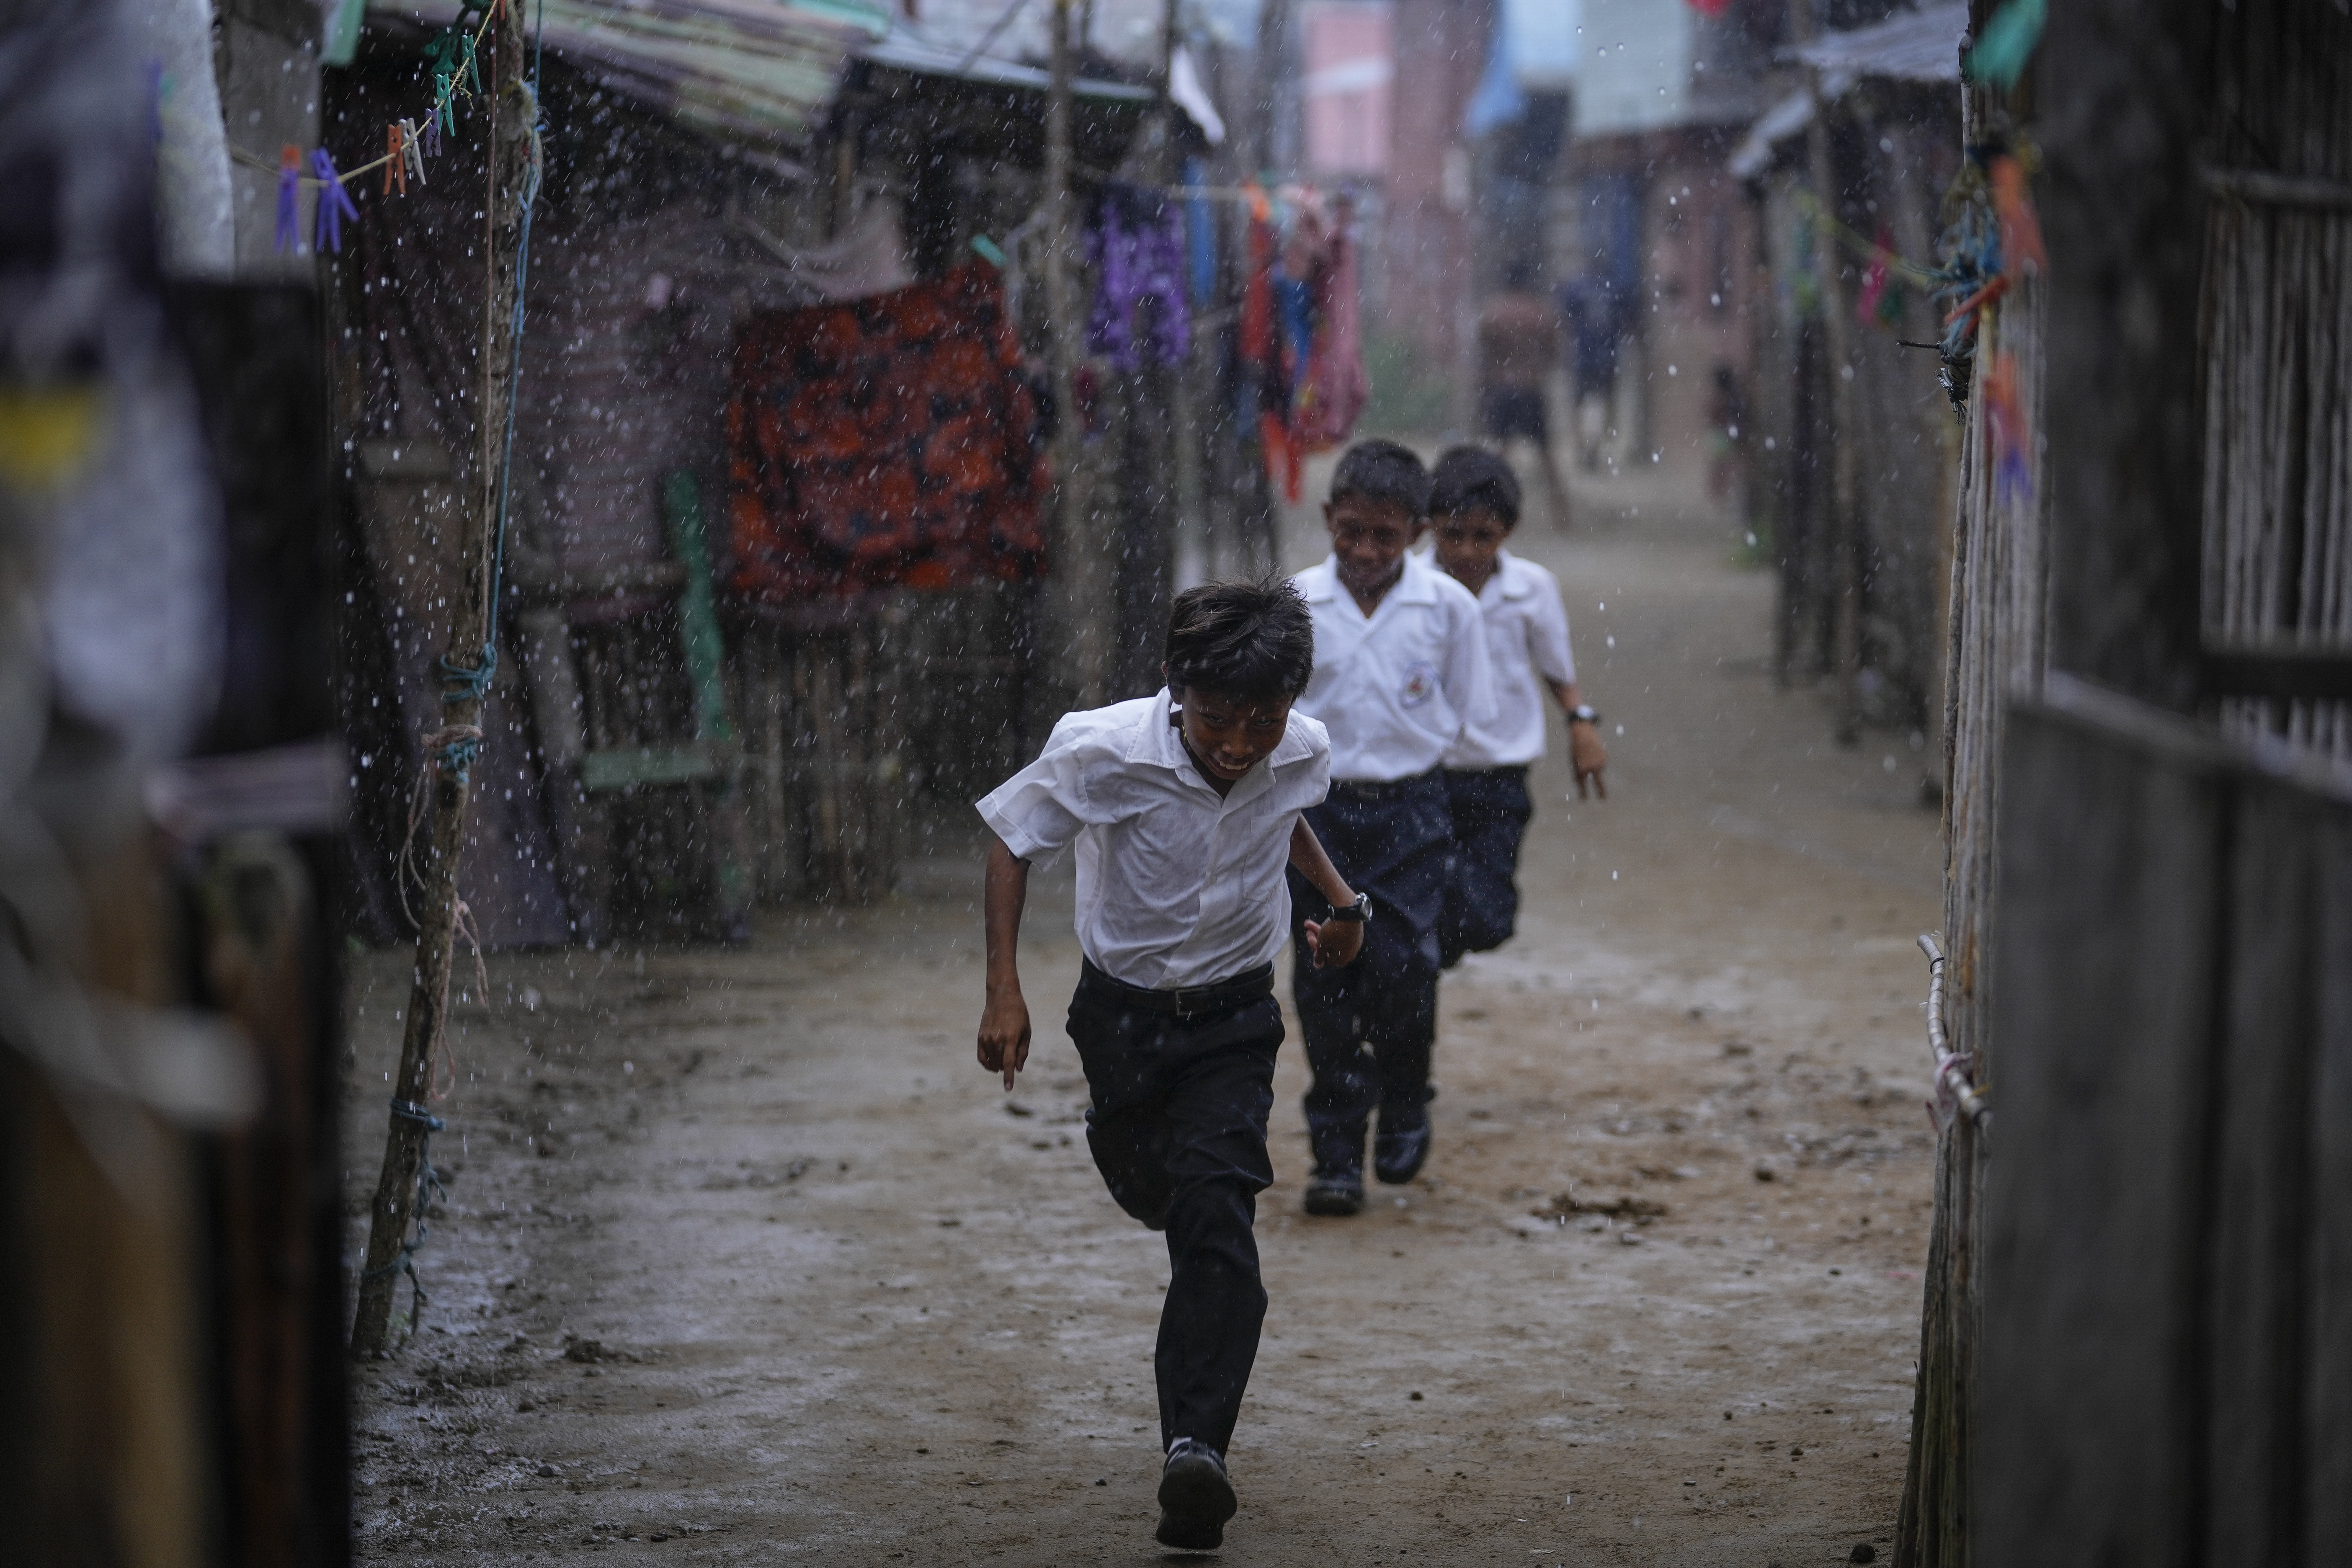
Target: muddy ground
744,1260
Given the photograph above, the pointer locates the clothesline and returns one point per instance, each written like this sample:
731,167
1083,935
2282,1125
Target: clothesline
441,101
1853,240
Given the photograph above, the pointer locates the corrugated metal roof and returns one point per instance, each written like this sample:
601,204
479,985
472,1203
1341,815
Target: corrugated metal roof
904,51
1918,46
758,69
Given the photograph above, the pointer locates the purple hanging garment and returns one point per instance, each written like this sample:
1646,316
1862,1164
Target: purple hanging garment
1138,249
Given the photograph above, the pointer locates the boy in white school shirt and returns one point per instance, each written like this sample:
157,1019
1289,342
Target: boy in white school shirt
1185,808
1401,666
1474,505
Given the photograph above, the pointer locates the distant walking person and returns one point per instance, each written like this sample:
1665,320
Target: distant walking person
1518,344
1474,505
1399,667
1592,311
1185,808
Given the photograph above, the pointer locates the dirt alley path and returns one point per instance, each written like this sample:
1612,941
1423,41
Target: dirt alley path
744,1261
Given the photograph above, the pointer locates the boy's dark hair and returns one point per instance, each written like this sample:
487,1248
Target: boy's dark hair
1471,478
1239,638
1378,470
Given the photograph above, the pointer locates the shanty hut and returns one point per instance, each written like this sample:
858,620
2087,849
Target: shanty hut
726,669
1853,443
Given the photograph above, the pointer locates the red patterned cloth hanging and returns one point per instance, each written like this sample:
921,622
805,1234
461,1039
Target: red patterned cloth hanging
883,442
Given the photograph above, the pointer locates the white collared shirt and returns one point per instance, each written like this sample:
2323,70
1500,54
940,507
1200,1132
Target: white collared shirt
1527,636
1177,885
1394,688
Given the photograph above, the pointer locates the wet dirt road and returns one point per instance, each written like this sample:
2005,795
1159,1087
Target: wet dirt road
744,1261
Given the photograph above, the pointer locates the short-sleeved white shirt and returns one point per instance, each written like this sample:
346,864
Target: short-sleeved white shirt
1527,636
1177,885
1394,688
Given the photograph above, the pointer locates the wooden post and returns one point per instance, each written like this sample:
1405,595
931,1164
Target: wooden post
1192,524
470,649
1838,337
1844,531
1077,556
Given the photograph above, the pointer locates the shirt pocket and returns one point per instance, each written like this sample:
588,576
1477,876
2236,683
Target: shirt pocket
1161,858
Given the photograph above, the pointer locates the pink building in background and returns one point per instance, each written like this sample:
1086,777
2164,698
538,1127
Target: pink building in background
1351,69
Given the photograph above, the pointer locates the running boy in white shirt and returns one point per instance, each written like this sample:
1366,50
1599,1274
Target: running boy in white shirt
1474,505
1400,667
1185,810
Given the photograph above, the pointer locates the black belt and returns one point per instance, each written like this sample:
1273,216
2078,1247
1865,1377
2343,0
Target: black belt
1184,1000
1387,789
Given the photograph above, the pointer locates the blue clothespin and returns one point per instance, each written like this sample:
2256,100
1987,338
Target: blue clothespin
334,204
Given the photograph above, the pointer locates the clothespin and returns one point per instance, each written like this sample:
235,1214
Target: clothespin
289,178
334,204
430,147
411,151
2021,226
395,167
446,82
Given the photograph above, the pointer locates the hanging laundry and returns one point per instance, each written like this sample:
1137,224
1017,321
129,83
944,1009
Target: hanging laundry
1200,233
1335,385
1257,289
884,441
1137,248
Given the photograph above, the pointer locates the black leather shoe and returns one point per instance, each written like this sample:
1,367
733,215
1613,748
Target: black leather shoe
1195,1498
1334,1192
1397,1155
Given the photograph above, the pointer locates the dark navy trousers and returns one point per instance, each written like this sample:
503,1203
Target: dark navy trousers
1490,808
1177,1126
1370,1027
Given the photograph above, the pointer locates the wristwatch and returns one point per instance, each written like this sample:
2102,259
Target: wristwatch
1584,713
1359,912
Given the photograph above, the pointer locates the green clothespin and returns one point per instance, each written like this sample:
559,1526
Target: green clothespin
2000,55
988,251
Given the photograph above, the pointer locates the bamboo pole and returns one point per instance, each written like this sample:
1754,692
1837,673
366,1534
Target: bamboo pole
466,669
1192,553
1077,556
1837,331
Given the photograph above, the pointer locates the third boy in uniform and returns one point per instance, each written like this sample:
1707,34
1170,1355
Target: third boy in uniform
1400,667
1474,505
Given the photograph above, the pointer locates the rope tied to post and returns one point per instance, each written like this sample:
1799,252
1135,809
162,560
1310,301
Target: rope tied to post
1955,1091
428,1187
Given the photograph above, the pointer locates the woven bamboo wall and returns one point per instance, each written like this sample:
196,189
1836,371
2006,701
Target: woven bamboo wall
2277,345
1999,621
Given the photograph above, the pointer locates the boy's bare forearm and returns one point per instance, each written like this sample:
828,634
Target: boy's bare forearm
1307,857
1570,698
1006,895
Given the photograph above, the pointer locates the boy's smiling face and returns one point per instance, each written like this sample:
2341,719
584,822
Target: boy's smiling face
1369,539
1467,542
1229,735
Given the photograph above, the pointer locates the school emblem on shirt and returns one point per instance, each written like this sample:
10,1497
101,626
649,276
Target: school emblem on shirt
1420,683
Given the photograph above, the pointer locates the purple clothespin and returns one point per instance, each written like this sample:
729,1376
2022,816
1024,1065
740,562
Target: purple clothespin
290,175
334,204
